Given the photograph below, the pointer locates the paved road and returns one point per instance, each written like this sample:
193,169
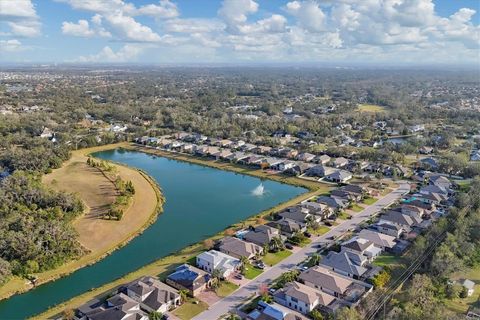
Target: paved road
240,295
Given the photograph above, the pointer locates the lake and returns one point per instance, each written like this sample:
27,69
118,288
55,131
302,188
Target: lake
200,202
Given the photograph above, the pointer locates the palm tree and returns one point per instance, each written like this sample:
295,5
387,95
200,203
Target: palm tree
315,259
155,315
216,275
276,244
244,262
183,295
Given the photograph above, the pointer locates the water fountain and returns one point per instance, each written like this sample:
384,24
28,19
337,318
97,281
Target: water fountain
259,190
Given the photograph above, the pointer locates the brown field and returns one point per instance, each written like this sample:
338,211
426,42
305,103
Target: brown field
99,236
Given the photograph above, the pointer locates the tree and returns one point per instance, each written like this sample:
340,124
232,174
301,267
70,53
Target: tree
315,259
68,314
155,315
347,313
316,315
381,279
276,244
183,295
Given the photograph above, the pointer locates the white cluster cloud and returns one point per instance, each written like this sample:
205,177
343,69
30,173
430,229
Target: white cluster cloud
83,28
21,17
10,45
127,53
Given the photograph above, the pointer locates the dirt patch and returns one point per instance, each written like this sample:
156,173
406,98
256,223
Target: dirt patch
97,192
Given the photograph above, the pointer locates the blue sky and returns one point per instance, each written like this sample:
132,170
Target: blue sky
240,31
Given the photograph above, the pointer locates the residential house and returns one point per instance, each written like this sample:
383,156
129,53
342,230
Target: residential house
362,246
153,295
288,227
400,219
334,284
302,298
339,162
216,260
412,211
298,168
334,203
429,163
262,150
440,181
273,311
347,196
345,262
305,156
222,154
318,171
298,215
380,240
238,248
261,235
390,229
339,176
318,209
323,159
120,306
187,277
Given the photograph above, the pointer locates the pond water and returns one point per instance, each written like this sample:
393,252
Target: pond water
200,202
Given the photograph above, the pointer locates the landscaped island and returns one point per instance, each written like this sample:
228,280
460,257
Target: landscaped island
200,202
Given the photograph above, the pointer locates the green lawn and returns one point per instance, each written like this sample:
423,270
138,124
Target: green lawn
343,215
272,258
189,309
251,272
369,201
319,231
356,208
226,288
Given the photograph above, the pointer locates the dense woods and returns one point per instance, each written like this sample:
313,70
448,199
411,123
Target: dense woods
35,234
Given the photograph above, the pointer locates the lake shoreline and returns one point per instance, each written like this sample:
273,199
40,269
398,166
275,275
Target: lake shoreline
162,265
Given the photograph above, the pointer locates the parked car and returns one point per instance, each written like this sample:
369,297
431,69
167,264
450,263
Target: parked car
238,276
307,234
288,246
328,223
261,265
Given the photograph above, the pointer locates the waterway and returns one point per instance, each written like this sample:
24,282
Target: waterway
200,202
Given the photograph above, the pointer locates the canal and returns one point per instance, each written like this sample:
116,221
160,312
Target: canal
200,202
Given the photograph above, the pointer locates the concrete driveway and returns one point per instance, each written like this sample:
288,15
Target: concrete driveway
246,291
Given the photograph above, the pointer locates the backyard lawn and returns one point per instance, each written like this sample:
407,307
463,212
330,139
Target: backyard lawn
251,272
389,260
189,309
226,288
272,258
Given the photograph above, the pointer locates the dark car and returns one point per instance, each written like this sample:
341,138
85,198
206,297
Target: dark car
307,234
328,223
288,246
